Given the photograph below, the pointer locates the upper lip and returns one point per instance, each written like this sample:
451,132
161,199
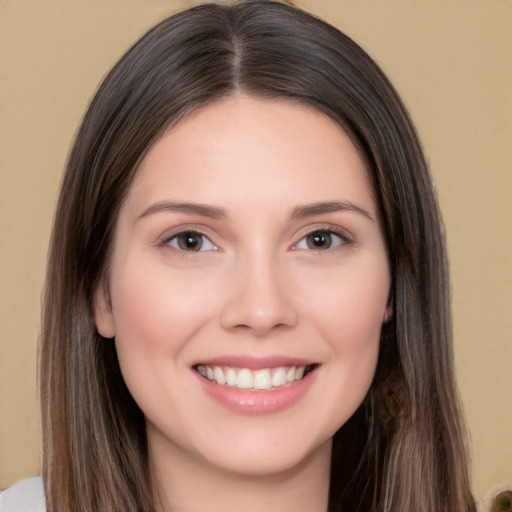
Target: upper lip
255,362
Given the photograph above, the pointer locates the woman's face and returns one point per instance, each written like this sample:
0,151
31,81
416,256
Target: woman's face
247,287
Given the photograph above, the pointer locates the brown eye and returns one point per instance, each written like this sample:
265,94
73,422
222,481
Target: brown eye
319,240
191,241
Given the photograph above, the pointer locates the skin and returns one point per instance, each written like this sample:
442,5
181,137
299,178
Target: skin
258,287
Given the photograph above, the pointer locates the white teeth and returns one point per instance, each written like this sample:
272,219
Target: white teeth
279,378
299,372
218,374
231,377
266,378
245,379
262,380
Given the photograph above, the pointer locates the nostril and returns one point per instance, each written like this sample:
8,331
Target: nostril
244,315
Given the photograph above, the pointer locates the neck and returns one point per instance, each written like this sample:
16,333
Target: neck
188,484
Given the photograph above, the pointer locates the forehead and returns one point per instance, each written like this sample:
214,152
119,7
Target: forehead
251,147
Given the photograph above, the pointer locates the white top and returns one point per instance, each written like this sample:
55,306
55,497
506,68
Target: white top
25,496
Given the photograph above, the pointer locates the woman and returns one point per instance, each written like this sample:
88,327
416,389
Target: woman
254,165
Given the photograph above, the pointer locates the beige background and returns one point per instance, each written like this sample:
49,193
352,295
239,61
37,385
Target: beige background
450,60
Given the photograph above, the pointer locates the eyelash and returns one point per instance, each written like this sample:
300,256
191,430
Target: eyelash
330,232
327,233
189,233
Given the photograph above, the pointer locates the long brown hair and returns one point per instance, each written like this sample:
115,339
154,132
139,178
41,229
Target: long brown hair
404,449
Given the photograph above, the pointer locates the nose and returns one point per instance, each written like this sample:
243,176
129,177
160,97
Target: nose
260,299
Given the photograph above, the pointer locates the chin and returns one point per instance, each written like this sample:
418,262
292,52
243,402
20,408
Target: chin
266,456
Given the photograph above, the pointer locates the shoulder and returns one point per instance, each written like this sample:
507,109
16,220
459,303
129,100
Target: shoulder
25,496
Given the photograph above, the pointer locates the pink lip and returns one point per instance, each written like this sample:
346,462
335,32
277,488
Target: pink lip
257,402
255,362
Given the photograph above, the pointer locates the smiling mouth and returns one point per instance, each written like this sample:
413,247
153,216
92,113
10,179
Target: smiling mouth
260,379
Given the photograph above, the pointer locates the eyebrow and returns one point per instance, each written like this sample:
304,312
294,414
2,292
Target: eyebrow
205,210
309,210
216,212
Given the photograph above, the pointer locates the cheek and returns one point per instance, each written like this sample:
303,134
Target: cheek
349,308
157,302
156,313
349,314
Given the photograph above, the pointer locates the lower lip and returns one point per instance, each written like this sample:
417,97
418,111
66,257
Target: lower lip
258,402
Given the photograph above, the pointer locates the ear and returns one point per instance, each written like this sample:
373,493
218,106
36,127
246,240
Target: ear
102,311
388,312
